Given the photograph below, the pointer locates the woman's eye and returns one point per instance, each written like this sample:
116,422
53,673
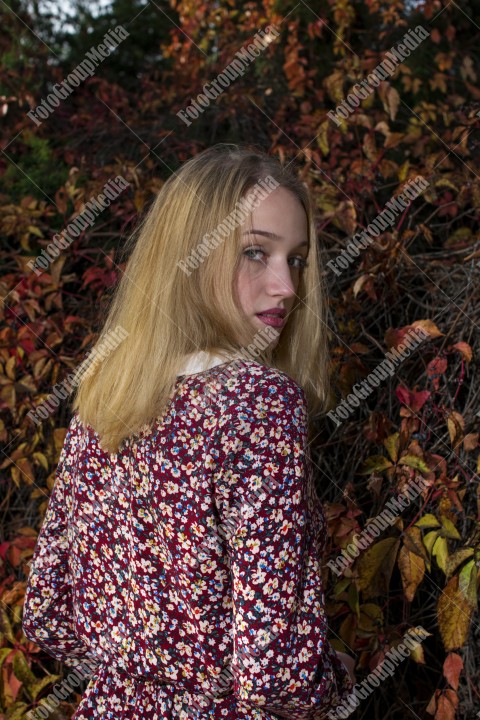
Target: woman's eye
302,263
251,252
254,251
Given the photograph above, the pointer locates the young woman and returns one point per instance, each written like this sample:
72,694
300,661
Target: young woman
180,555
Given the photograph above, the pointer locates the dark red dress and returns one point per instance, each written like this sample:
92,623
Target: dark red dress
187,565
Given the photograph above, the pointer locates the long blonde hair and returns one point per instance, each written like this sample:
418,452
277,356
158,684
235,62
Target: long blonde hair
166,313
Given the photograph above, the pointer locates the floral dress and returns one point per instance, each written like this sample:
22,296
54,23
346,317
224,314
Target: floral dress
186,567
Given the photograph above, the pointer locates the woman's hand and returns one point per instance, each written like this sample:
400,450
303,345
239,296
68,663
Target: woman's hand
349,663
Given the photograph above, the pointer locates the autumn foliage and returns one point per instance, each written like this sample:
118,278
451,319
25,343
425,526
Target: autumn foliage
422,271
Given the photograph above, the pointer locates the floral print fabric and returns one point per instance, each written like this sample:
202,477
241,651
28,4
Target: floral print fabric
187,565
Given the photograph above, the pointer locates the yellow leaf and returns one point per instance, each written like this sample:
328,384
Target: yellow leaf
403,171
369,147
417,654
449,529
456,426
429,540
414,461
359,283
391,444
412,570
322,138
334,85
375,567
412,540
454,615
440,552
10,367
427,521
374,463
370,620
34,230
41,459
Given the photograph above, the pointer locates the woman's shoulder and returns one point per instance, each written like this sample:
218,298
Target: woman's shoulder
251,386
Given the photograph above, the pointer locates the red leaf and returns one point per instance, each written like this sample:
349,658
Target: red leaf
413,400
446,705
452,667
435,368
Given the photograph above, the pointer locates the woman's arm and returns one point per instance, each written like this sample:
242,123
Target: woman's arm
48,618
282,660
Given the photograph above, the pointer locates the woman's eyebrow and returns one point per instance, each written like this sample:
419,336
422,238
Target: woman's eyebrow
271,235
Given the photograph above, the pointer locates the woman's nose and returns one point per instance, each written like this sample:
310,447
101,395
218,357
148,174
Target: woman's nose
280,280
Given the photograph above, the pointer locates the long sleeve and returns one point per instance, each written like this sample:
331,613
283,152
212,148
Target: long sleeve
48,617
282,661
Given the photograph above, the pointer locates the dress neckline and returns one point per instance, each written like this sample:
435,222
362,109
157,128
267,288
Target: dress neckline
202,360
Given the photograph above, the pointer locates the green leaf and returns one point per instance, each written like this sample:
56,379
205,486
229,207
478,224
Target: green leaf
467,583
21,669
7,626
375,463
17,711
36,687
341,585
4,653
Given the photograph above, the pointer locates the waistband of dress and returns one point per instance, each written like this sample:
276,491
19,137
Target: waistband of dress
125,677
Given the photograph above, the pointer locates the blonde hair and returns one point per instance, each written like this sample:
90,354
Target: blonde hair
166,313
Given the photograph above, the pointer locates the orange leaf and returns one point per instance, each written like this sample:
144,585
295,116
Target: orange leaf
452,667
470,441
465,349
429,327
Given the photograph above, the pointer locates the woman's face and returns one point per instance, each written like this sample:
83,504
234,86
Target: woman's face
271,267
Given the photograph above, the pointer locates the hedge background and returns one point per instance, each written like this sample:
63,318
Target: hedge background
424,271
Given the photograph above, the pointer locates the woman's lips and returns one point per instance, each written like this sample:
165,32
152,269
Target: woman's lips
273,320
